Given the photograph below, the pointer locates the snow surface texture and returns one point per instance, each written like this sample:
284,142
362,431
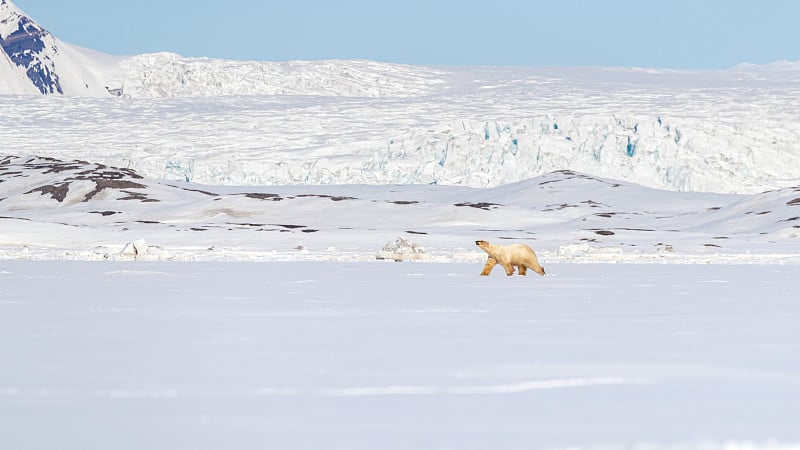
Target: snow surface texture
397,356
347,122
78,210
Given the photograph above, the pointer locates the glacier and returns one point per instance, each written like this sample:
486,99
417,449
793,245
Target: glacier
725,132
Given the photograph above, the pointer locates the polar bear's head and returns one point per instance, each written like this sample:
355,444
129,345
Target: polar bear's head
483,245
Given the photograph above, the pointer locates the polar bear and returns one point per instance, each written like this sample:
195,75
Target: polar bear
508,256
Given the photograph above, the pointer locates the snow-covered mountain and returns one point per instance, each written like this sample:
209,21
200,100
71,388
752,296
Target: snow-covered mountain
33,61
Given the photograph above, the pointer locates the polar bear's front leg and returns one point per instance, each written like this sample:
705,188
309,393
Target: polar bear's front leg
509,268
522,269
489,266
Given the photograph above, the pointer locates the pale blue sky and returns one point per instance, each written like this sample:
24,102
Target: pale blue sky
678,34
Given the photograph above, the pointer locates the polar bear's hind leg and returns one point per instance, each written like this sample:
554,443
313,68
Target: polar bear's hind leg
538,269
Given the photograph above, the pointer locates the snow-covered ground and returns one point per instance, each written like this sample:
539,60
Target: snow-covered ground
310,355
170,339
196,253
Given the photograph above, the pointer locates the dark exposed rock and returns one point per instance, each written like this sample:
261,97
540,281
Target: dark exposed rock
103,183
260,196
335,198
58,191
482,205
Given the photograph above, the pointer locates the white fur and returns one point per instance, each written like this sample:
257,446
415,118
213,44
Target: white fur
509,256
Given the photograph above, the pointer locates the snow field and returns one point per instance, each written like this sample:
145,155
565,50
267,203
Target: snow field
386,355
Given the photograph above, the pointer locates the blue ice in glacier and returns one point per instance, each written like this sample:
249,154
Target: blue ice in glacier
630,149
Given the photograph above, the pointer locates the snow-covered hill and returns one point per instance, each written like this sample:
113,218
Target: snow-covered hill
74,209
